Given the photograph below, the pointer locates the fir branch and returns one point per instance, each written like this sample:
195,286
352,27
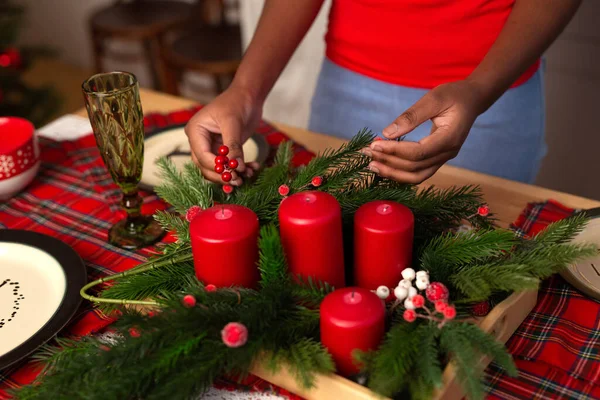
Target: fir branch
427,366
391,366
171,222
278,173
465,344
150,285
310,292
562,231
272,264
331,159
466,360
183,190
521,270
448,252
306,358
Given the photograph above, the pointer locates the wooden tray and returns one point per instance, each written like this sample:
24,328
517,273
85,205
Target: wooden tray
502,322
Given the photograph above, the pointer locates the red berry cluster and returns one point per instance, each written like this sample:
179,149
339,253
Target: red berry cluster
437,293
224,165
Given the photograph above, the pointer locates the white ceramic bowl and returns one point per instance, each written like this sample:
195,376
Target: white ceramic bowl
19,155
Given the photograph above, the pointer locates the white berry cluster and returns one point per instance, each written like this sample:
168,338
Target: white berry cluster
405,289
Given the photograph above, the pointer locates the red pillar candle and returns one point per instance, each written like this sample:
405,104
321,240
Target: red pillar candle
351,319
311,235
383,242
225,246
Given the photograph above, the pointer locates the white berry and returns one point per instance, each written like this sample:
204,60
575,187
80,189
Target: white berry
422,275
408,304
383,292
405,283
401,292
412,292
408,273
422,284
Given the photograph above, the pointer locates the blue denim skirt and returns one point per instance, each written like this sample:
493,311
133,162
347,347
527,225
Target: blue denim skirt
506,141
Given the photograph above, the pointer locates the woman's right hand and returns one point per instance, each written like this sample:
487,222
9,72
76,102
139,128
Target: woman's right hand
230,119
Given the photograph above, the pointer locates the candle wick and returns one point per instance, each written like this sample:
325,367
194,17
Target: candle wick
385,208
353,294
223,211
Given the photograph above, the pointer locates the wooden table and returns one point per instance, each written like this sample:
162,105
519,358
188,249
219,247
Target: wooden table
506,198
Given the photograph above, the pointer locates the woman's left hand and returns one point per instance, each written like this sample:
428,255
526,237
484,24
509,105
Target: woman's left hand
452,108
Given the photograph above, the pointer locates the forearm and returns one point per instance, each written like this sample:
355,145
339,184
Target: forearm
530,29
281,27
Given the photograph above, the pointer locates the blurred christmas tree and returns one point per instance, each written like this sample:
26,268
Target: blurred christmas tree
17,98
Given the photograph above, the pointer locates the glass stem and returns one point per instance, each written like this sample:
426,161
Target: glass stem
132,203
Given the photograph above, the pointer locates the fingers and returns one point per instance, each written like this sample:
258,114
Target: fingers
439,141
411,166
425,108
231,131
404,176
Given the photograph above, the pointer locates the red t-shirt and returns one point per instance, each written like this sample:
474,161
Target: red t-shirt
415,43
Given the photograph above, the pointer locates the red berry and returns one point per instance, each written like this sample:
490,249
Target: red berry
226,176
284,190
223,150
449,312
483,211
219,168
418,301
437,291
317,181
409,315
210,288
481,309
151,314
234,334
440,306
134,333
221,160
191,213
228,189
233,164
188,301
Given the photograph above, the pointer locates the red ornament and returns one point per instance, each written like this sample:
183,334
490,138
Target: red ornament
409,315
223,150
226,176
440,306
483,211
188,301
317,181
481,309
284,190
449,312
228,189
210,288
134,333
191,213
234,334
221,160
418,301
233,164
219,168
437,291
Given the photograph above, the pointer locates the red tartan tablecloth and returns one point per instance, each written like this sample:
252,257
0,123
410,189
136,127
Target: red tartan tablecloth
73,198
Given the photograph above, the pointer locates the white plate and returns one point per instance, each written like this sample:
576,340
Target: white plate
173,143
40,278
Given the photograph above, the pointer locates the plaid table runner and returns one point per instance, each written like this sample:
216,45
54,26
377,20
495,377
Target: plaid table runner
73,198
557,347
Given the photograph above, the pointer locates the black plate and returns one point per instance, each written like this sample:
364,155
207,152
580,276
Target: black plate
76,277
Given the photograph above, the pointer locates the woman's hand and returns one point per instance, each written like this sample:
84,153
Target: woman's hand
452,108
230,120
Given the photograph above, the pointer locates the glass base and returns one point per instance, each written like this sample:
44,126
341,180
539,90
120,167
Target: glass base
135,233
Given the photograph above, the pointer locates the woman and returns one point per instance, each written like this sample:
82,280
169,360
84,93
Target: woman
463,75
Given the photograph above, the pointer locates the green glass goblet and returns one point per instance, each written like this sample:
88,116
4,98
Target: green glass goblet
113,104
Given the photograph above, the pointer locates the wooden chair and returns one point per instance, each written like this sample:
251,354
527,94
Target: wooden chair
137,20
209,47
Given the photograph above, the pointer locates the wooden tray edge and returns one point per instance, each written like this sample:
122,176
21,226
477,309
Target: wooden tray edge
502,321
